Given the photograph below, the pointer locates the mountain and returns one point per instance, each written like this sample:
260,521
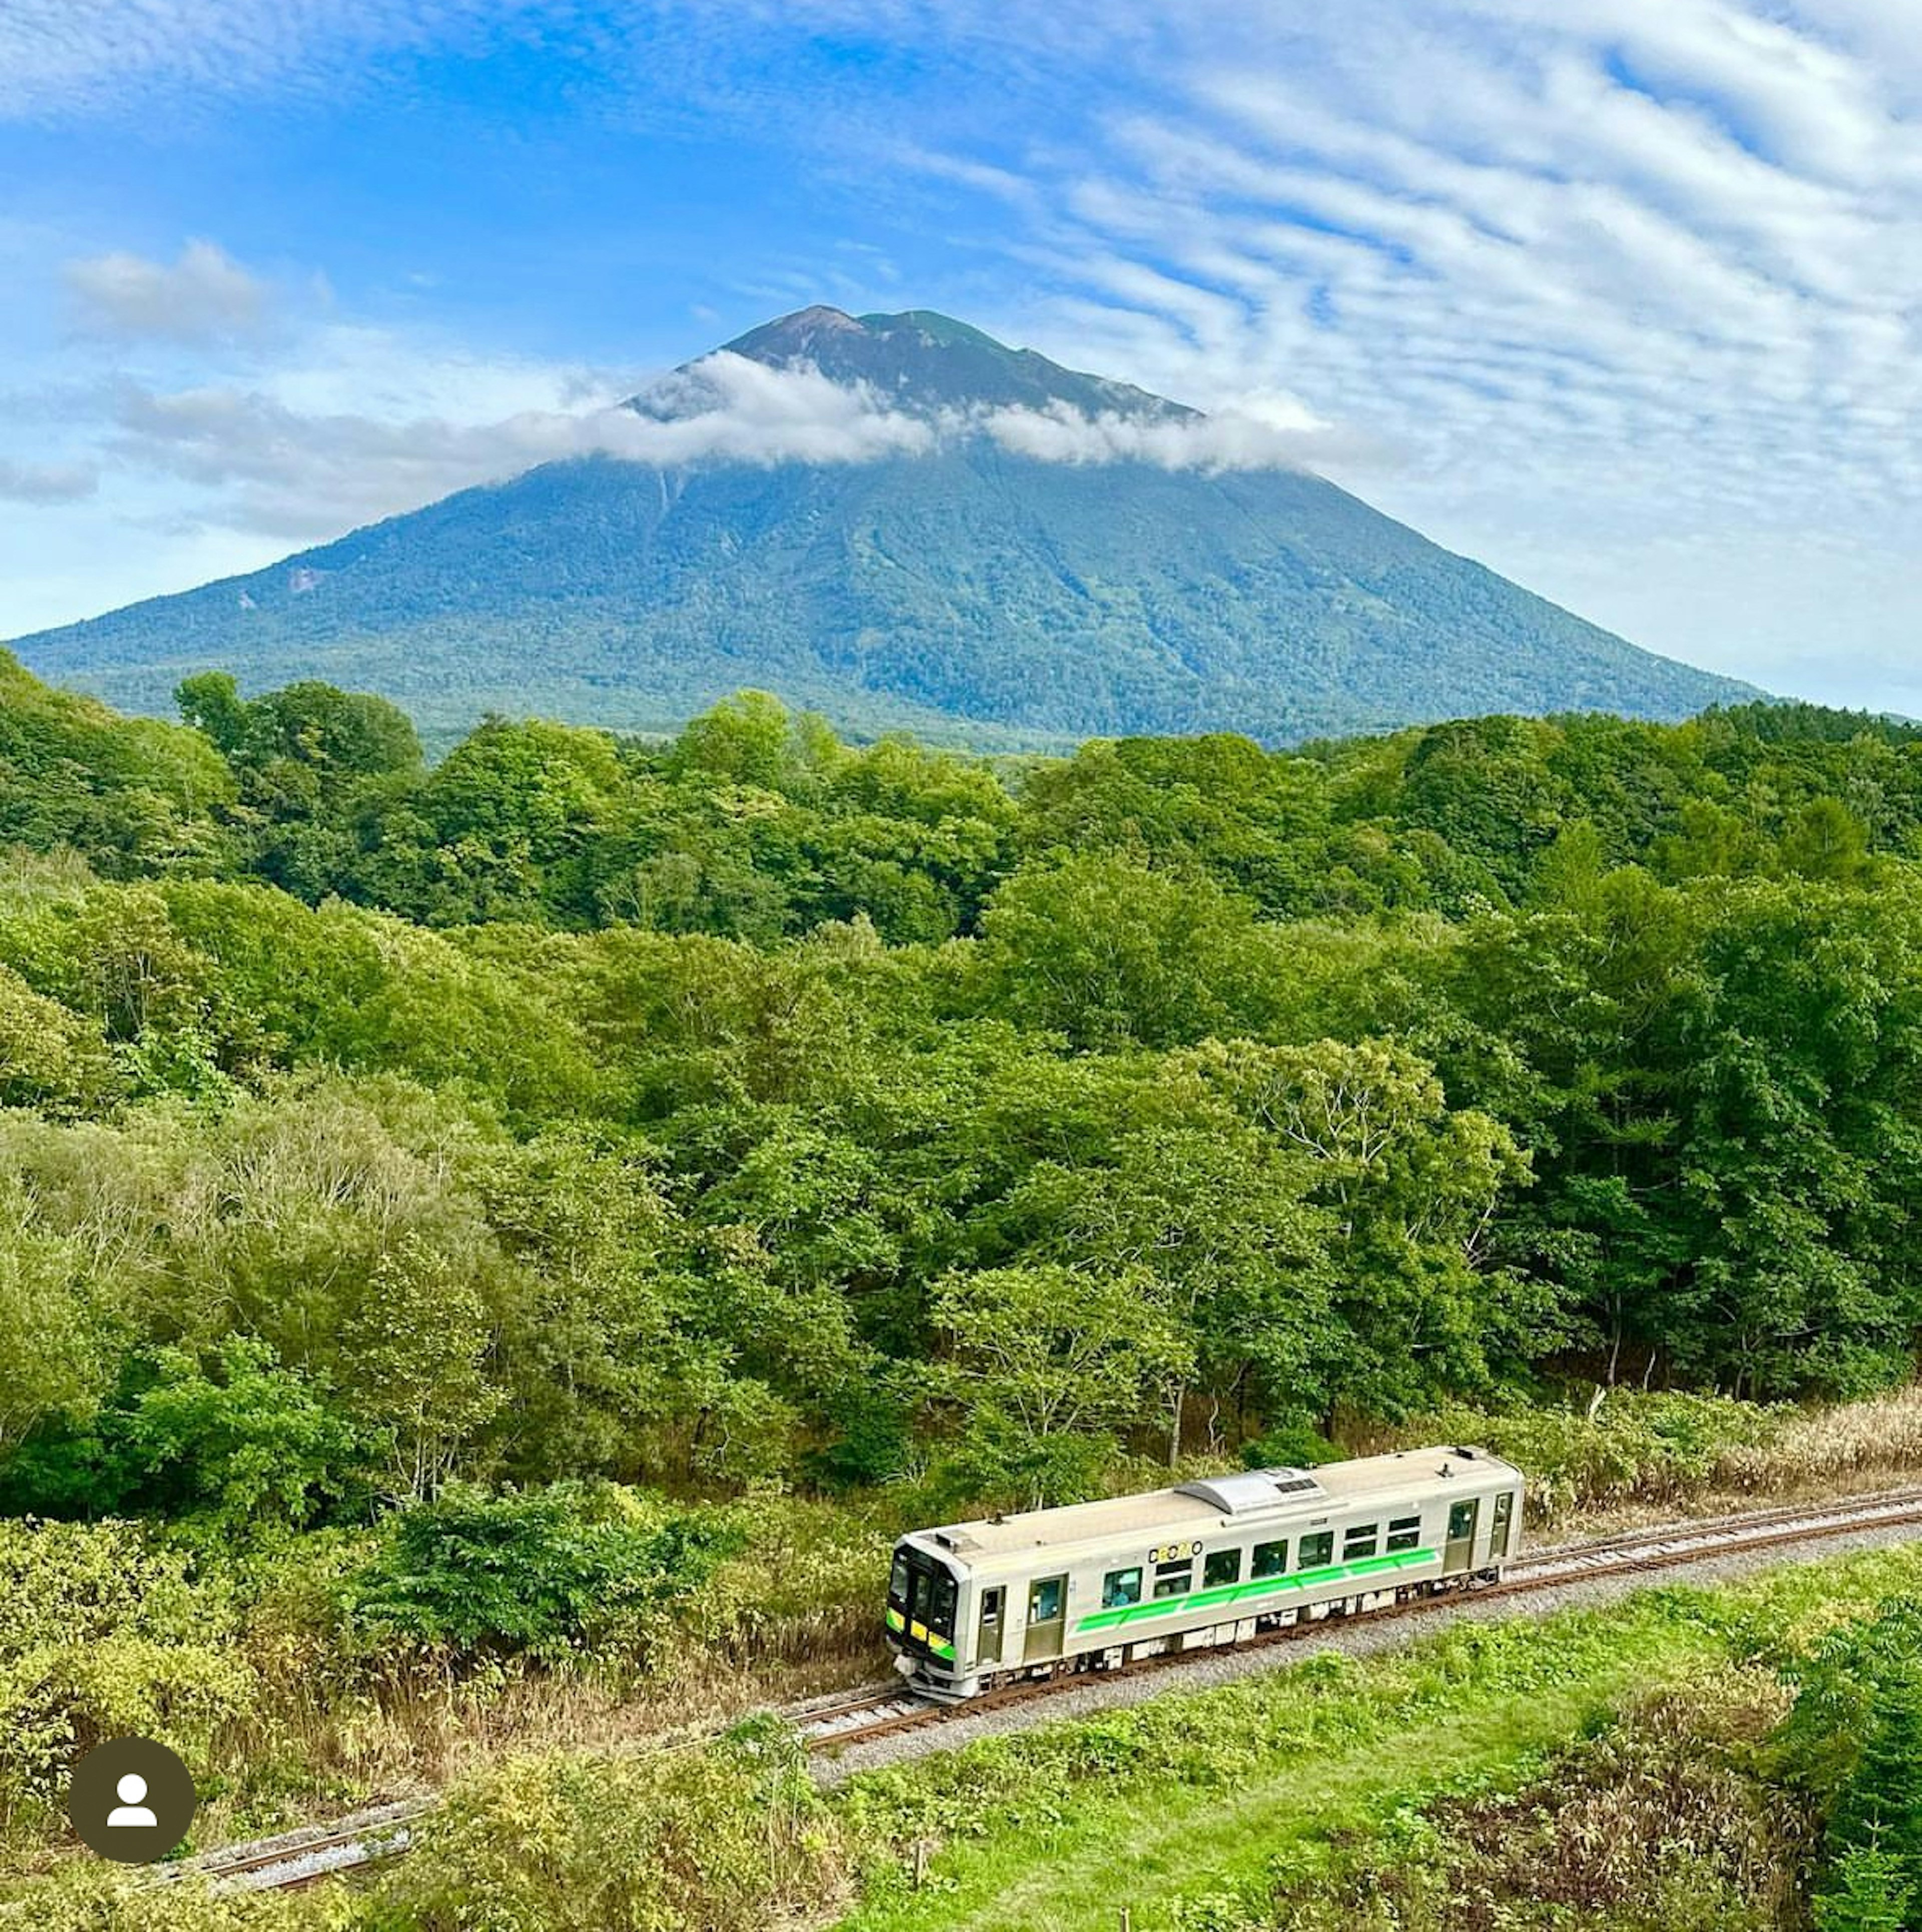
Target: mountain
954,582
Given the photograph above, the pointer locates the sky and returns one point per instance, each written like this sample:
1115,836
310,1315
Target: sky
1622,297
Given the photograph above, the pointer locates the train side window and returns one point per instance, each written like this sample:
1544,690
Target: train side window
1270,1559
941,1618
1360,1539
1043,1600
1221,1566
1119,1588
1314,1551
1405,1532
1174,1580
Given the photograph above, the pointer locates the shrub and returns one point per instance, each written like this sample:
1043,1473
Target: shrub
1660,1820
59,1701
86,1898
723,1838
71,1582
552,1573
243,1442
103,1633
804,1582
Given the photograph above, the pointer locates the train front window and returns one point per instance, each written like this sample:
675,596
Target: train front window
924,1585
897,1581
1120,1588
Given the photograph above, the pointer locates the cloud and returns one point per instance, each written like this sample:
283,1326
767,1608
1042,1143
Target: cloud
1269,433
61,58
303,473
306,473
47,482
204,297
732,408
1615,294
1599,273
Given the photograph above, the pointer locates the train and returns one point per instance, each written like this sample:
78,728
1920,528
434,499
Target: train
1093,1586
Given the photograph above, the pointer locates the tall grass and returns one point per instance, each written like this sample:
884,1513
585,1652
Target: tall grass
1622,1447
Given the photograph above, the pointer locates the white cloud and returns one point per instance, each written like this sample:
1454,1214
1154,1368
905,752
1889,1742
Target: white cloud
281,465
1271,432
205,296
730,407
47,482
272,462
1626,290
64,58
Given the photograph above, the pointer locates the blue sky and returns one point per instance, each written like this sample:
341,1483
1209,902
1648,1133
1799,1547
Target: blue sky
1621,296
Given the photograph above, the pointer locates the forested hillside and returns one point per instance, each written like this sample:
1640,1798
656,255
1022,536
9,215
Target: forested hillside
759,1108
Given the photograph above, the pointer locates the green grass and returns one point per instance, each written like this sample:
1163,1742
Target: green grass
1199,1795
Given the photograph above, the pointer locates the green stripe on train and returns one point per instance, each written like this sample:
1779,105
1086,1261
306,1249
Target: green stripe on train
1265,1586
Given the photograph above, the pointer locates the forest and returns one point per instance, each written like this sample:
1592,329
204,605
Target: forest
555,1211
753,1109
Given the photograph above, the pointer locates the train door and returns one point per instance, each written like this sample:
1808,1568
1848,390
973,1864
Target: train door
1460,1552
1047,1618
988,1645
1499,1525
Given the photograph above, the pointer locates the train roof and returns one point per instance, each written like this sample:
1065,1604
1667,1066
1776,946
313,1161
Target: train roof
1246,1499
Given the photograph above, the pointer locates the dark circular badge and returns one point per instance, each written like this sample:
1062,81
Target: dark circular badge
131,1799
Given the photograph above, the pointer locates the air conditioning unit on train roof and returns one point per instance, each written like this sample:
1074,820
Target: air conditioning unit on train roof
1250,1489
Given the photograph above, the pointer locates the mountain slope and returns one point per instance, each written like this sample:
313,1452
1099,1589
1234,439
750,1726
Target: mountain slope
965,591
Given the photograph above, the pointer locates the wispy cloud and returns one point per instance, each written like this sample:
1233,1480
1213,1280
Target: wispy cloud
63,59
1272,433
47,482
205,296
1601,274
302,473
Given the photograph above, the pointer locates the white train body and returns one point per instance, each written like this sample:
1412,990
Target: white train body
1095,1584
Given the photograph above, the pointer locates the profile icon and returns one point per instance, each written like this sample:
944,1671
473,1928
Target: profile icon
131,1800
131,1789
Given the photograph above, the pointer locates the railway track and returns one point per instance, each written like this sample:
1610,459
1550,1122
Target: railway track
297,1859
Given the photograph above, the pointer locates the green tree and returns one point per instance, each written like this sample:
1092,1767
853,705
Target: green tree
1106,952
1042,1356
242,1440
421,1345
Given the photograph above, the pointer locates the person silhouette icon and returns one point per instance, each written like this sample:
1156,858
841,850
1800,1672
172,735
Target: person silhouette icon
132,1788
130,1799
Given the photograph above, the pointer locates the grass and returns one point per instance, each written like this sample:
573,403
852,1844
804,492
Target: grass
1153,1849
1218,1786
1623,1456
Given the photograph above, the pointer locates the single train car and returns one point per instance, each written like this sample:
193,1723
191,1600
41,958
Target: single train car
1093,1585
